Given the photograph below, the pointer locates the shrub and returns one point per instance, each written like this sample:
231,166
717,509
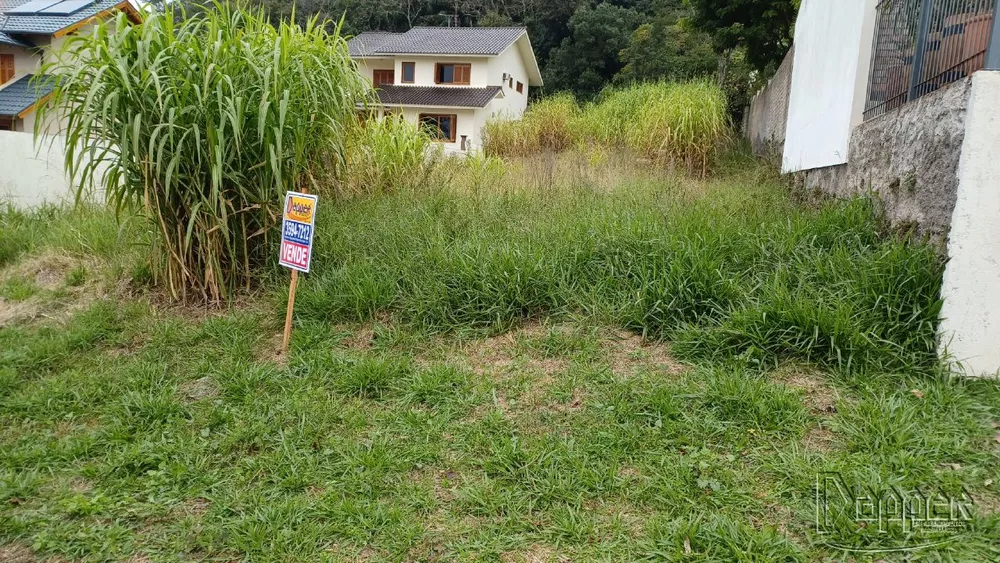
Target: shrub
202,124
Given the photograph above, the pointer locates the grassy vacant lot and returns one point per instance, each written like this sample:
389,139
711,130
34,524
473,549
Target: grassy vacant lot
645,368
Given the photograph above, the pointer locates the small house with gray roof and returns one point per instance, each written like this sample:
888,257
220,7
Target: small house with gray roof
31,33
451,79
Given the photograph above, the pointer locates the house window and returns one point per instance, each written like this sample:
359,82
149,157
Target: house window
383,77
510,82
6,68
409,73
520,88
452,73
6,123
441,127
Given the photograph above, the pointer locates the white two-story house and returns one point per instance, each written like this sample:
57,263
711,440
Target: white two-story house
31,33
451,79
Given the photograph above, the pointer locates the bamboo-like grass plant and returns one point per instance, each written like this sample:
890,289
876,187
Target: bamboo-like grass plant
200,124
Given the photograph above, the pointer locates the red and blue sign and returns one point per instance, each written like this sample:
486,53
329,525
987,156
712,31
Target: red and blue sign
297,231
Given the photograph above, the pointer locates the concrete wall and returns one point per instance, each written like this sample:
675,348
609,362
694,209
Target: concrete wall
25,61
767,115
828,39
470,123
970,331
367,67
909,158
424,67
513,104
32,175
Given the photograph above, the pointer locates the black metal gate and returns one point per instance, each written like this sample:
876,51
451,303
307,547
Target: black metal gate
922,45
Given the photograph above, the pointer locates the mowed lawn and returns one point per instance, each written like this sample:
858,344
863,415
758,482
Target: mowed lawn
657,371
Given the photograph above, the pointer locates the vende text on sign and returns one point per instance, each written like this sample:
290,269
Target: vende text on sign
297,231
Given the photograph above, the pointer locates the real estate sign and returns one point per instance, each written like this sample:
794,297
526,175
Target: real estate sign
297,231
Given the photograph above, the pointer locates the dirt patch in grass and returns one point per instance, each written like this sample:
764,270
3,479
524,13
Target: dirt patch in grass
820,439
19,311
817,393
192,507
47,271
56,294
17,553
361,338
269,351
198,390
576,402
534,554
487,356
627,352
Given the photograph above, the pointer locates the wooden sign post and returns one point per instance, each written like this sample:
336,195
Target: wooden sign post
297,229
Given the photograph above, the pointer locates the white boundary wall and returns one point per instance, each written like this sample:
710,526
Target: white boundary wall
829,48
30,174
970,331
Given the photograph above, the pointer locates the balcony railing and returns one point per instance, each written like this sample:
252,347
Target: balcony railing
922,45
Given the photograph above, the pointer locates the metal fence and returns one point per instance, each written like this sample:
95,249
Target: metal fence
922,45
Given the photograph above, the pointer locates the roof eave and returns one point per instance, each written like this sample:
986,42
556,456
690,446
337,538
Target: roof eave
428,106
456,55
530,61
133,15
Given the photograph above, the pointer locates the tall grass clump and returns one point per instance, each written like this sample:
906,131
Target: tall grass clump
680,124
548,125
202,123
669,123
384,155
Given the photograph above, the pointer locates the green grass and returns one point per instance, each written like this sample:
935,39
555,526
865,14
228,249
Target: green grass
467,383
726,269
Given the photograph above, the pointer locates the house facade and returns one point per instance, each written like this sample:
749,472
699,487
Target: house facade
31,33
451,79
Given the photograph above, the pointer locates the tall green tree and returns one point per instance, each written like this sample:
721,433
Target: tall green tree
589,58
667,48
762,27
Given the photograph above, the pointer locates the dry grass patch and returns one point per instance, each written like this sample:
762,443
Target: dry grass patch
535,554
198,390
820,439
17,553
817,393
627,353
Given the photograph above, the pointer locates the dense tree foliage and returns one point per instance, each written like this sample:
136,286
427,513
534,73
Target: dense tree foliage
762,27
589,58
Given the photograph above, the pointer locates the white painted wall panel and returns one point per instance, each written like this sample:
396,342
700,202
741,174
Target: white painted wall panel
828,45
32,175
970,329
